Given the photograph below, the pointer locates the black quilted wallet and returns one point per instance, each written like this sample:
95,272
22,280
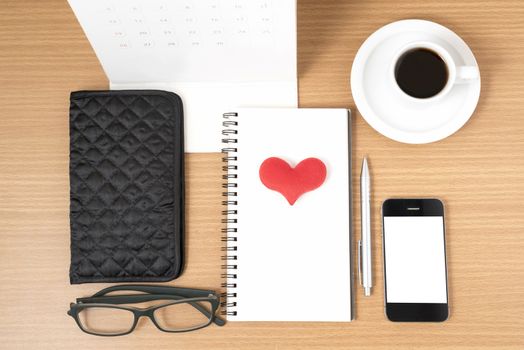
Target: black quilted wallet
127,186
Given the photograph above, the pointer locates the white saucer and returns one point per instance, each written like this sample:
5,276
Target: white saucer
400,118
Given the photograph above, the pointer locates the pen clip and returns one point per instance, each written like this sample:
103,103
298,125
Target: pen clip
359,262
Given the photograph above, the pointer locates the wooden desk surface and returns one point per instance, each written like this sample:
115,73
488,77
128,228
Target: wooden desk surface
478,172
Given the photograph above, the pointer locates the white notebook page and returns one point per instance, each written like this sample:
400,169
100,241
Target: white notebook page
293,261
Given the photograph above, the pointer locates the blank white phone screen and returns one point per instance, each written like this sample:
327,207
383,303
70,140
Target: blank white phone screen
415,259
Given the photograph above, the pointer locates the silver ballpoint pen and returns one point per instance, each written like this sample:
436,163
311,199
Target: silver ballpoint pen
365,239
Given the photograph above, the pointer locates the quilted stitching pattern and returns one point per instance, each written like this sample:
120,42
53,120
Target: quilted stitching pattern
123,195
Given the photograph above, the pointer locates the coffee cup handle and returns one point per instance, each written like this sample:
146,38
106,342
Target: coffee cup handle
467,74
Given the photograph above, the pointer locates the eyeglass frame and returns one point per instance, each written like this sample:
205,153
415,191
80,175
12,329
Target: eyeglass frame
180,295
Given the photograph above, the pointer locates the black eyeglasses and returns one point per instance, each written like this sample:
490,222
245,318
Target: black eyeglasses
184,310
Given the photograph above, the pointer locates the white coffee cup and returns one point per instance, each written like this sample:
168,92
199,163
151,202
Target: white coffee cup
457,74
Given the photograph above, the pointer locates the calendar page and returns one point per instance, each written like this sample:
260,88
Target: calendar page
216,54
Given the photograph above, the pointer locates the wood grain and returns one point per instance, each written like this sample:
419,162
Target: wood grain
478,172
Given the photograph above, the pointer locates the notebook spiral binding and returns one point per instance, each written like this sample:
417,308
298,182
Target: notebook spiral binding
229,214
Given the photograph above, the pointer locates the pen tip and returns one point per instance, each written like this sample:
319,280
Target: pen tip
365,164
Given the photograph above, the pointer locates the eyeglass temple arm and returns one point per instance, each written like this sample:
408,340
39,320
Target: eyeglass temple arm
186,292
129,299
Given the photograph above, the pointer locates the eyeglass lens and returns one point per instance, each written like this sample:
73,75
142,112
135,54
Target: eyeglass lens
106,320
182,316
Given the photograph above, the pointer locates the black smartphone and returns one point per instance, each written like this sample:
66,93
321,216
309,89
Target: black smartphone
415,269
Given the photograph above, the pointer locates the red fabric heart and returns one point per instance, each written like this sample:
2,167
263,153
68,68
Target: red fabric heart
276,174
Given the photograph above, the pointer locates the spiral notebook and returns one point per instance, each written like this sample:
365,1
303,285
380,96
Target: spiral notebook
288,217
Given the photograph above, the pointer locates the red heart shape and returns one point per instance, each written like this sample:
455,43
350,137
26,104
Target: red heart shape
276,174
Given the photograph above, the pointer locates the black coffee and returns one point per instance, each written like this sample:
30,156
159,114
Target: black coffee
421,73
